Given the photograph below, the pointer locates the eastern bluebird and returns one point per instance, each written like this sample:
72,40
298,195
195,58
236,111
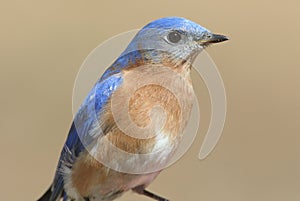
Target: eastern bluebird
163,47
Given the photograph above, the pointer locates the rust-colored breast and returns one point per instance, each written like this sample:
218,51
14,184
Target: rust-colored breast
144,89
150,94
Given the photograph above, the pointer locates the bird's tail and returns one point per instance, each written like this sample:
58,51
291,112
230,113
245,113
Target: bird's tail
46,196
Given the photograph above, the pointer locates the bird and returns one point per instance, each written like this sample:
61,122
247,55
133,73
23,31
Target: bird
148,84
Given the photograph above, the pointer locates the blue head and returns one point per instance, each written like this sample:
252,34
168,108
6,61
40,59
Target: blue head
178,37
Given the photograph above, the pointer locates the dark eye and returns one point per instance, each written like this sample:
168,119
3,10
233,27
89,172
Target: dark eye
174,37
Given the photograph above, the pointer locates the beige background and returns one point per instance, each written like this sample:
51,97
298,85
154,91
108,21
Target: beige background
42,45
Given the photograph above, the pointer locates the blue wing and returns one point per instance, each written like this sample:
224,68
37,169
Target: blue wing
86,116
82,123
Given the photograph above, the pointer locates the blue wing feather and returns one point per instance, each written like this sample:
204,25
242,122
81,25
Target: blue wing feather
82,123
79,135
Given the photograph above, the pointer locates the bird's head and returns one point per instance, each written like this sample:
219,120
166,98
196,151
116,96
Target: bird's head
179,38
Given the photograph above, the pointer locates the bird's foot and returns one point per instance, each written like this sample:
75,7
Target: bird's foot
142,191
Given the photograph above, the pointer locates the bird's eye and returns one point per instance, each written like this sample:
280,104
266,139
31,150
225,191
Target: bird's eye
174,37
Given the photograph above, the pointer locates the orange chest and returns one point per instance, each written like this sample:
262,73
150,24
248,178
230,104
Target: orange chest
153,103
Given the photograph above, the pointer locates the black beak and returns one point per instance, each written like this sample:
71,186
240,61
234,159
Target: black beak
208,39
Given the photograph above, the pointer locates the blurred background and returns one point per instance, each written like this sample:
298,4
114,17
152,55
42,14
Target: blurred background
43,44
